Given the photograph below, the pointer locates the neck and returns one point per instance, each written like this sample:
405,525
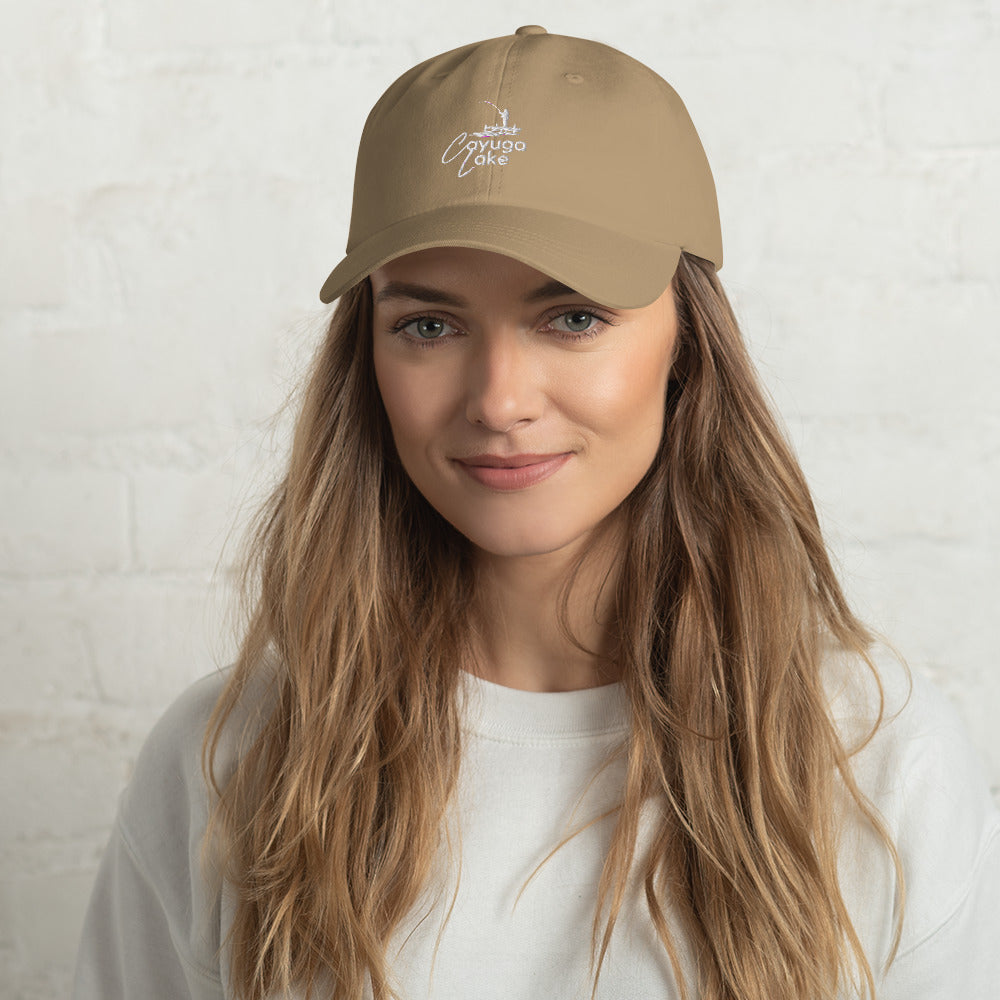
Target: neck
519,641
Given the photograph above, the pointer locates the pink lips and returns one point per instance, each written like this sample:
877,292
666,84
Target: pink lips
510,461
519,477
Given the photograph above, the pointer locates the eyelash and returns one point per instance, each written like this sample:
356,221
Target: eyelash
603,321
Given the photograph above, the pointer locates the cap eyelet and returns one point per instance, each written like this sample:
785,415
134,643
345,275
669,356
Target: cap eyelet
572,77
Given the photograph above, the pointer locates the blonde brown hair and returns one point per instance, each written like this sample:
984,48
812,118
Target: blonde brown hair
362,597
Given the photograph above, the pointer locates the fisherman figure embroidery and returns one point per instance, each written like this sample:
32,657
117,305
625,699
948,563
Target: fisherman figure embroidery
481,149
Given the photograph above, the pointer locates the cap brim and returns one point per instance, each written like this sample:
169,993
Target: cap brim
614,270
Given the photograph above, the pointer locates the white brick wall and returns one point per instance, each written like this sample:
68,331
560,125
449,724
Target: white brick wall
175,184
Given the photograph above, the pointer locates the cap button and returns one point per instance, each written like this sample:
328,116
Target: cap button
531,29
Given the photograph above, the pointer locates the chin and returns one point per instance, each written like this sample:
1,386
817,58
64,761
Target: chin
518,538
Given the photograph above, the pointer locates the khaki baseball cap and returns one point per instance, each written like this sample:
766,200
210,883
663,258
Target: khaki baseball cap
561,152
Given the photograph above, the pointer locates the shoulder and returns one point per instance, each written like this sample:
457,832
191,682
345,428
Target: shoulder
167,785
167,771
163,811
928,782
919,753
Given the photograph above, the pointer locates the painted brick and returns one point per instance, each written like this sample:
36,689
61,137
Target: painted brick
977,218
62,520
932,480
854,216
158,25
65,775
945,98
52,27
98,381
152,636
33,269
852,347
44,642
183,518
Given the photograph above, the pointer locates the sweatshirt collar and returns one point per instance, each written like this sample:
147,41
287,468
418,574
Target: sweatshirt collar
495,710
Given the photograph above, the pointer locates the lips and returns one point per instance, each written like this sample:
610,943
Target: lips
509,461
511,479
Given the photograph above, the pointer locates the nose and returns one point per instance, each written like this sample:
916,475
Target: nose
503,381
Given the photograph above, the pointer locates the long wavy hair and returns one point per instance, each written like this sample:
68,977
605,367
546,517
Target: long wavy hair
358,600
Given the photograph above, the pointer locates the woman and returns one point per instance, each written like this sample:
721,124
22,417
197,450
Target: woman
548,686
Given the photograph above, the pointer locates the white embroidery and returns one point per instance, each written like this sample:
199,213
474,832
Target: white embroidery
491,130
481,151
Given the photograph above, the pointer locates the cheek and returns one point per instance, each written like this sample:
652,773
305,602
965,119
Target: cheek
413,403
626,397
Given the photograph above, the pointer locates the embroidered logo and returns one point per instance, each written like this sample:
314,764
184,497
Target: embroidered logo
482,149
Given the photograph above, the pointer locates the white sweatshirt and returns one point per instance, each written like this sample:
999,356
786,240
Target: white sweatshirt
154,925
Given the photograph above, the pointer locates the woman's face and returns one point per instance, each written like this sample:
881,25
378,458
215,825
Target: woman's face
483,364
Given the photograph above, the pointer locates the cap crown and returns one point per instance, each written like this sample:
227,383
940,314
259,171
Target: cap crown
535,123
586,130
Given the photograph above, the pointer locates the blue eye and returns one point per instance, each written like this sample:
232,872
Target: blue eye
430,320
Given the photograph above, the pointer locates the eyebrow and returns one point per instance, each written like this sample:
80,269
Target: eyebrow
424,293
